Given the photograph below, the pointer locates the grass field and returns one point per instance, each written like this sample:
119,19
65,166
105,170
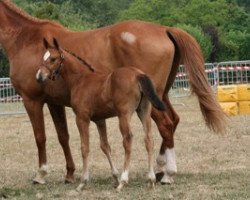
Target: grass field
209,166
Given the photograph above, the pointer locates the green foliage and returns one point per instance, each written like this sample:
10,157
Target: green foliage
224,16
64,14
235,46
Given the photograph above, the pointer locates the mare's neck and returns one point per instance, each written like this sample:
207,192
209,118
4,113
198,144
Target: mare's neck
17,28
73,69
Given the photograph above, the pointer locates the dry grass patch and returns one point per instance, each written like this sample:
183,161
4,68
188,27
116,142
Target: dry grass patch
210,166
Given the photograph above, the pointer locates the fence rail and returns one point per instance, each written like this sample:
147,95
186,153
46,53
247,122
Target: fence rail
232,72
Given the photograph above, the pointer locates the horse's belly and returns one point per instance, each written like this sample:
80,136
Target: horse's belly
103,112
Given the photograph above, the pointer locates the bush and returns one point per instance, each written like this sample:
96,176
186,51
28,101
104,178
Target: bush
234,46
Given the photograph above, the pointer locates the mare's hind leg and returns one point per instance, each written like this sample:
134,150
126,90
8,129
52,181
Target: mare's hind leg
102,129
144,114
58,115
166,123
35,112
124,124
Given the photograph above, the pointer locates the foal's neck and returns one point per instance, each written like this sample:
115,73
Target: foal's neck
73,69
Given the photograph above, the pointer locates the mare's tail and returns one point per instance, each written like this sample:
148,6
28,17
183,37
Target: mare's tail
191,56
149,91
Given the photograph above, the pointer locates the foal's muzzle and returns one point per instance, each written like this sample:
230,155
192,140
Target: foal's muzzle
39,77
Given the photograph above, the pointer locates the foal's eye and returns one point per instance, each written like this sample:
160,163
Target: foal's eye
53,59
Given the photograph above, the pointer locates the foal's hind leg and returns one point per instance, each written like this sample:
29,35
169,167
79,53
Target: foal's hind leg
124,124
102,129
144,115
58,115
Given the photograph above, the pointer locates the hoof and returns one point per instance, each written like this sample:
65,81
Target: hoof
151,185
37,181
121,185
167,180
69,180
159,176
81,186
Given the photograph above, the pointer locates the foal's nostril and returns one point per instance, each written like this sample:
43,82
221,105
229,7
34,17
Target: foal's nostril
39,78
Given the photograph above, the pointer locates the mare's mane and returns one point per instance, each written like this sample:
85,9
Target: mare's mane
81,60
13,8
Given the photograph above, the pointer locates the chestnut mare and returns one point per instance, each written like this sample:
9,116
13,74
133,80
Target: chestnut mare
98,96
156,50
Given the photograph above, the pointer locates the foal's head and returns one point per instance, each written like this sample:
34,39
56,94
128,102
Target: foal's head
52,62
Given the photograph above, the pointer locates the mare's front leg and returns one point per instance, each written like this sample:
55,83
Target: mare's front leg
83,127
35,112
102,129
59,118
166,123
124,124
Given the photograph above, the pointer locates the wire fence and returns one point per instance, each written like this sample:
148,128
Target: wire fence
223,73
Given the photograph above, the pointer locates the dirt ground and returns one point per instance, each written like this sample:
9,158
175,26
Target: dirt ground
209,166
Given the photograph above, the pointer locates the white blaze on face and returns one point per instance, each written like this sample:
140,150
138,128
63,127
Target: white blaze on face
46,55
128,37
171,162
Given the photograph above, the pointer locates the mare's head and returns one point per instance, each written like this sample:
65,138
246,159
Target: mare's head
52,62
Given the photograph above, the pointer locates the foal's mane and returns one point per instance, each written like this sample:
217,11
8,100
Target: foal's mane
81,60
12,7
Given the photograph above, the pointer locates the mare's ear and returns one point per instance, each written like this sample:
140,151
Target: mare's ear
45,43
56,43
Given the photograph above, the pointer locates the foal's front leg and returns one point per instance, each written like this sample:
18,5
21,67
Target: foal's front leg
102,129
124,124
83,127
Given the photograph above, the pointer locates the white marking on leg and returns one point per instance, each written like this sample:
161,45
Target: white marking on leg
128,37
124,180
171,162
46,55
114,171
124,176
42,172
151,175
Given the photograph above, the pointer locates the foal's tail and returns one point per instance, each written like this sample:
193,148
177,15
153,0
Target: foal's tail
191,56
149,91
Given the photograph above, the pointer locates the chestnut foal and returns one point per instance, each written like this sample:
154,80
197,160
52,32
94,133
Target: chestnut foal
97,96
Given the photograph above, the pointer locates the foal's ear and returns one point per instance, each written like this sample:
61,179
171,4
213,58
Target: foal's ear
45,43
56,43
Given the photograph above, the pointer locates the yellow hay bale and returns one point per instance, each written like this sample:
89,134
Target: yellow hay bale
227,93
244,107
244,92
230,108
